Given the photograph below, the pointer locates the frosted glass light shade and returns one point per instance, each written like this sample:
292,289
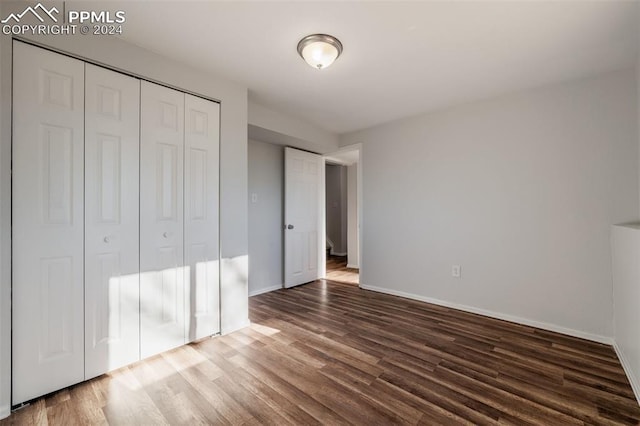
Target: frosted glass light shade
319,50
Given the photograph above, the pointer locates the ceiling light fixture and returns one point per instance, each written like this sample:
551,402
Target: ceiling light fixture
319,50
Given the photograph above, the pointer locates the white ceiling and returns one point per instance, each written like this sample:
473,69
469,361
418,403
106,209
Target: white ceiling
400,58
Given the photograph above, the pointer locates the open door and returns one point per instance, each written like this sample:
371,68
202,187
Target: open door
304,217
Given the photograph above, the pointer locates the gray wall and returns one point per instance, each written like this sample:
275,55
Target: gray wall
336,207
271,126
266,217
520,191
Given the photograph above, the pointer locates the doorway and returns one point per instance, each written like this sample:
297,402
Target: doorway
342,216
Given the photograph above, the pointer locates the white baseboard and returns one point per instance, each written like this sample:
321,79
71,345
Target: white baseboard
265,290
523,321
5,412
633,379
353,266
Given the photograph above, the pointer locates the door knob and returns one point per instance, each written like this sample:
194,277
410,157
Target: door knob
165,235
289,226
107,239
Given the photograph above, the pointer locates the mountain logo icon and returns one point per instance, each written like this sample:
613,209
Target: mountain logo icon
34,11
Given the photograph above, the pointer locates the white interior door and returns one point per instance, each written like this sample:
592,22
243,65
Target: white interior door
201,182
162,278
112,281
48,222
304,218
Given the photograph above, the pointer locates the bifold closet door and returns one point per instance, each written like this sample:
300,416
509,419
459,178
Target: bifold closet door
202,141
48,222
112,283
162,279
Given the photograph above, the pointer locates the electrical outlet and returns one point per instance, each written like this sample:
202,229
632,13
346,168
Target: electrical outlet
254,198
456,271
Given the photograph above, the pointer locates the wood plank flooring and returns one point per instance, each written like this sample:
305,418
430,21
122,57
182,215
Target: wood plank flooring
337,270
331,353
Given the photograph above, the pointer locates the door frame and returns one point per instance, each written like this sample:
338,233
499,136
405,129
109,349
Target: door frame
329,157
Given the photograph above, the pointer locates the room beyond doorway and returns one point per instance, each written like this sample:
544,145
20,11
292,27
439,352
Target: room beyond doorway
343,214
338,271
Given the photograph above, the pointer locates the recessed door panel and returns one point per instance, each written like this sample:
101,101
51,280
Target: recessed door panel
198,163
47,204
57,161
56,287
167,181
109,179
111,220
105,311
162,281
56,87
168,288
202,140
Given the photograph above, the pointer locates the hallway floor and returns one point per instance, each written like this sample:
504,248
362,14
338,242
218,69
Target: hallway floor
337,270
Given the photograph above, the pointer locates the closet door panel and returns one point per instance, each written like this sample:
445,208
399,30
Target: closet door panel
48,221
112,283
202,134
162,281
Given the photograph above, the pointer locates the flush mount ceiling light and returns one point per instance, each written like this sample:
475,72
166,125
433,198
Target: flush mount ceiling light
319,50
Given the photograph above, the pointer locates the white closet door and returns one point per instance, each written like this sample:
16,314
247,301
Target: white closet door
202,135
162,280
48,221
112,283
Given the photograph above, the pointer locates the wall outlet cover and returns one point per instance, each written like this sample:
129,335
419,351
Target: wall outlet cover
456,271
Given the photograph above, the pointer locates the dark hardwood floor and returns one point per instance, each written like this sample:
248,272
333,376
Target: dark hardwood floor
337,270
330,353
